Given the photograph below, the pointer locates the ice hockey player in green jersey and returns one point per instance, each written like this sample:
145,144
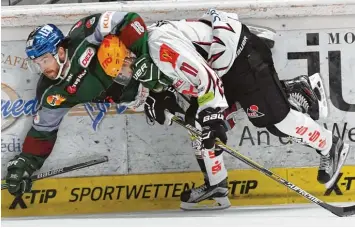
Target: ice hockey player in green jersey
90,64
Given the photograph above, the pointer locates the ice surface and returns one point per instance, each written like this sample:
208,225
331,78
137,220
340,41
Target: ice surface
279,216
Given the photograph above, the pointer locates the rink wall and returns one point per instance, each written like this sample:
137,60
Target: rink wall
149,192
312,36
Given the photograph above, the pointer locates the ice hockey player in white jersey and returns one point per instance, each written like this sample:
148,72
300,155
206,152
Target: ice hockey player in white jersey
216,62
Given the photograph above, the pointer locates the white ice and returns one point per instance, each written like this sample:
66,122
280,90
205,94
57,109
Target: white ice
275,216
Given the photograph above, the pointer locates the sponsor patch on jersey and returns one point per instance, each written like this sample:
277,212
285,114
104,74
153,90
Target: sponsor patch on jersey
167,54
105,22
72,89
86,57
77,25
55,100
90,22
70,76
253,112
133,31
178,84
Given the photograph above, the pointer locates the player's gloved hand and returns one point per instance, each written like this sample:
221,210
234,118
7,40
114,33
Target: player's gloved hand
213,126
156,104
18,177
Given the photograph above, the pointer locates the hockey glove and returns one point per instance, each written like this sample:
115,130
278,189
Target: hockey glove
156,104
213,126
20,169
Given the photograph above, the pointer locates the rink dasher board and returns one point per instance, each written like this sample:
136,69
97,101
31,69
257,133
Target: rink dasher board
157,192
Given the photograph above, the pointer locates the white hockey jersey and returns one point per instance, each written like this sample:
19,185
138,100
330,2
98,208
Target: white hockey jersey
195,54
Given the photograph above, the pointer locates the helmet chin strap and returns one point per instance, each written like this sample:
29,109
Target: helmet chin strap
61,66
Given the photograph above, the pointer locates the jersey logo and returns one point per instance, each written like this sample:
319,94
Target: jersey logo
90,22
253,112
105,22
132,32
178,84
86,57
77,25
55,100
242,45
167,54
70,76
136,25
72,89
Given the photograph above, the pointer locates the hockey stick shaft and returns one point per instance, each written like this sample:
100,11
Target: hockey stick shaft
339,211
67,169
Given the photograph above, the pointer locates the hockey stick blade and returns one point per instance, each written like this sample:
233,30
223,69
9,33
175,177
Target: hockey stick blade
67,169
339,211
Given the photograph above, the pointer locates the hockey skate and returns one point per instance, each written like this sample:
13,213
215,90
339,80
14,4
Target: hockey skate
307,95
330,164
206,197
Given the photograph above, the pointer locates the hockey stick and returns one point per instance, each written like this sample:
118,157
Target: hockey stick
339,211
67,169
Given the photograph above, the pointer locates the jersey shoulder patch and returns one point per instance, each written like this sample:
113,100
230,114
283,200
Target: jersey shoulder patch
76,26
84,27
133,30
167,54
90,21
54,97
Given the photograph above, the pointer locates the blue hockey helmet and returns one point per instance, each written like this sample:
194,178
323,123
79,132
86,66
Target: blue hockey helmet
41,42
43,39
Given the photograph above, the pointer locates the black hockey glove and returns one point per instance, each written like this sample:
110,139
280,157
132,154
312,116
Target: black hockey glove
19,171
213,126
156,104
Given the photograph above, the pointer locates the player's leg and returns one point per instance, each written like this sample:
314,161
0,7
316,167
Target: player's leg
267,106
210,161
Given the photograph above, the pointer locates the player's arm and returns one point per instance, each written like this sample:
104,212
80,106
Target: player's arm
230,37
38,144
129,27
227,38
179,61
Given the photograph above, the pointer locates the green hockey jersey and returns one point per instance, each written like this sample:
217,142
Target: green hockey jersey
85,79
